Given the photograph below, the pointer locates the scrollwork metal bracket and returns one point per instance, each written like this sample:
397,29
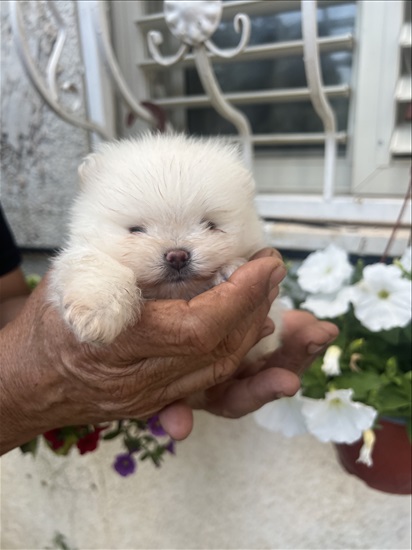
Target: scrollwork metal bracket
47,86
193,23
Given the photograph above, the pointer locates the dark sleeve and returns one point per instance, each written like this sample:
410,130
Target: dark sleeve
10,257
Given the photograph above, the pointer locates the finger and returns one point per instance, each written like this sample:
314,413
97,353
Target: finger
252,285
237,398
218,371
303,343
267,329
177,420
224,360
197,327
267,252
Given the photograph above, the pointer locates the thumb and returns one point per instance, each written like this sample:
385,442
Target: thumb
176,327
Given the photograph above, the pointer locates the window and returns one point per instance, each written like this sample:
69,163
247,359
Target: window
365,58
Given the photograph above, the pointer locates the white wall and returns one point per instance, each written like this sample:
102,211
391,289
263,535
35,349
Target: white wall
231,485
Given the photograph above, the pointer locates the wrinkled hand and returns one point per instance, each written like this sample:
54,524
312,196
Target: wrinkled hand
177,349
251,386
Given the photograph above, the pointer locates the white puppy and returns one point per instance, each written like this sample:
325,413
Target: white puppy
156,217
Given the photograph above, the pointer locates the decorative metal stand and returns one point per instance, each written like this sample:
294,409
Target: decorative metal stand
193,23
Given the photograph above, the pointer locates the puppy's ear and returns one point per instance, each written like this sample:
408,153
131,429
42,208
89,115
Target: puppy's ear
87,169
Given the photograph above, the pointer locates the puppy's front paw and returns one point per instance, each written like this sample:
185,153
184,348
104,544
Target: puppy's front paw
99,317
226,271
95,321
97,296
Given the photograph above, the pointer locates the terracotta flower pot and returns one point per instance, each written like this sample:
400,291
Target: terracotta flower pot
391,470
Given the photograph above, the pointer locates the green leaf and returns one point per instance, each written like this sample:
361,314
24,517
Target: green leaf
68,444
133,444
392,368
394,397
358,272
33,280
140,424
112,434
409,428
314,381
30,446
361,383
356,345
392,336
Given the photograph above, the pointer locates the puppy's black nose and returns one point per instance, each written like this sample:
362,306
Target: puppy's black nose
177,259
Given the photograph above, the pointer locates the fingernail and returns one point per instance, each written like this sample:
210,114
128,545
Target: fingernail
278,274
316,349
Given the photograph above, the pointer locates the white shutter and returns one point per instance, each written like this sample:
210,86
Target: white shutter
167,87
401,140
371,173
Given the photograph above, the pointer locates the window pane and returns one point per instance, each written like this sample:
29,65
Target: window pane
278,73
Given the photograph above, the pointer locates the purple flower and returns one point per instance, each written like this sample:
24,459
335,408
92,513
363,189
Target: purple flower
170,447
154,426
124,464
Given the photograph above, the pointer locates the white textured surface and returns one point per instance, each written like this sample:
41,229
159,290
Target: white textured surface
231,486
39,152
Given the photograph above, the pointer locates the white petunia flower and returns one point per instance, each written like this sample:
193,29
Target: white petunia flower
382,299
283,415
328,306
365,454
337,418
406,260
325,270
330,365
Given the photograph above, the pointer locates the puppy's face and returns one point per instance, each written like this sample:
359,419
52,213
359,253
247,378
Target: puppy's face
173,210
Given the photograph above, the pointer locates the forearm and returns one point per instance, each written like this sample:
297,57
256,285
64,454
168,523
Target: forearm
14,291
13,284
31,392
10,309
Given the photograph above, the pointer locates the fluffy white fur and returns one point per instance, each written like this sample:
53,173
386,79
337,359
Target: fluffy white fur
177,193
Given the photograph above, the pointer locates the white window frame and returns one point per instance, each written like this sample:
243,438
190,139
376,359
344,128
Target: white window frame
369,205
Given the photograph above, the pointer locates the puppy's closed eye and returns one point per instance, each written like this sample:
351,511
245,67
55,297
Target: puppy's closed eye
137,229
210,225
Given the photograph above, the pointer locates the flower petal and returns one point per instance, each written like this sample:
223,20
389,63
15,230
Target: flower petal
365,454
337,418
283,415
329,306
330,365
382,299
325,270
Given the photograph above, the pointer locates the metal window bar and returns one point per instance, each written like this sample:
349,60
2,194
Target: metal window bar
180,22
256,52
340,209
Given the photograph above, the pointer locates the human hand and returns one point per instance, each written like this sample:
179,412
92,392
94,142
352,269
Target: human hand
177,349
251,386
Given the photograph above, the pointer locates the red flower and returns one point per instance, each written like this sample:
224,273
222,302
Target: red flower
90,441
54,438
